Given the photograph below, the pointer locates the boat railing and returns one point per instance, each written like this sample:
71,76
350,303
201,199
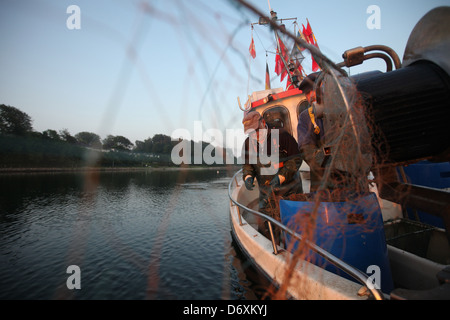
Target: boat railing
355,273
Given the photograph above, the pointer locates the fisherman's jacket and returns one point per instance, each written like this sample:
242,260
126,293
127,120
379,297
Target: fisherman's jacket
256,154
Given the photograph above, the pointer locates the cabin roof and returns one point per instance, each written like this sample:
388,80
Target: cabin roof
272,95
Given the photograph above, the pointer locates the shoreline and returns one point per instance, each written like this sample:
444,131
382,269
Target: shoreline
109,169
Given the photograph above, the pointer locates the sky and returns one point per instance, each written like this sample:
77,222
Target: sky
139,68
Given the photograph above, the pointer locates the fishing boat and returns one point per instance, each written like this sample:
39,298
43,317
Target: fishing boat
399,256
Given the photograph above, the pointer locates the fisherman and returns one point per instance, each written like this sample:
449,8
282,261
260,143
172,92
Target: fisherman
310,134
310,131
277,178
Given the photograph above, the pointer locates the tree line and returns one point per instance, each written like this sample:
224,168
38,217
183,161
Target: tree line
22,146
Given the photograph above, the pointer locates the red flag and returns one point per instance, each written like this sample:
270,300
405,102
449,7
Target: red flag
278,64
307,33
280,68
310,33
311,38
267,77
252,50
315,66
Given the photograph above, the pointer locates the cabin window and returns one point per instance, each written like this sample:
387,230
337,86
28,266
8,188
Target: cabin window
301,107
277,117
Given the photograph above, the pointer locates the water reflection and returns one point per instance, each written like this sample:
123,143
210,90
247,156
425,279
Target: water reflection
134,235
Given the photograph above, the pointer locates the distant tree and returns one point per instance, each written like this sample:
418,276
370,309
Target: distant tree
35,134
67,137
51,135
117,143
167,148
144,146
108,142
139,146
89,139
159,143
13,121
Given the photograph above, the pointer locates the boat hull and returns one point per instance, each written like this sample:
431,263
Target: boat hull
301,279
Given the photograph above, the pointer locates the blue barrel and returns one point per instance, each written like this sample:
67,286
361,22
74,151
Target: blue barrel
351,230
428,174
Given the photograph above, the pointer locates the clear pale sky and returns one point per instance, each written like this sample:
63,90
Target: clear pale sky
138,68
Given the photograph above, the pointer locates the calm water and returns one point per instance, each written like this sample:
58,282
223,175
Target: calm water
134,235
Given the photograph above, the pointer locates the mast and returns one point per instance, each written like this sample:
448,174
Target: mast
273,15
274,18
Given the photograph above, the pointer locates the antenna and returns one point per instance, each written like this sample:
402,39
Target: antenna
264,21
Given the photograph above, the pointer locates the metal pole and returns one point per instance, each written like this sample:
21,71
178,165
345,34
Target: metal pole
275,251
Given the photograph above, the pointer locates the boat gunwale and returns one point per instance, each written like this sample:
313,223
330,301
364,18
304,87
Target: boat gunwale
358,275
